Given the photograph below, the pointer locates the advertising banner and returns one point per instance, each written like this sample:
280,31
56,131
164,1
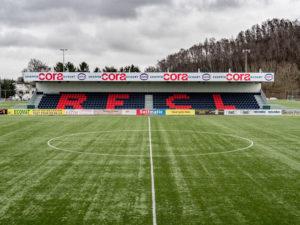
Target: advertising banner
149,77
252,112
47,112
180,112
19,112
151,112
220,112
291,112
10,112
129,112
206,112
107,112
79,112
3,111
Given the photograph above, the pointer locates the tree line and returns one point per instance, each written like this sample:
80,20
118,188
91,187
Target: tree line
7,88
36,65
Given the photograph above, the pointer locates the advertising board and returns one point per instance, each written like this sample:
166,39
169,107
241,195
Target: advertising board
3,111
146,112
129,112
19,112
149,77
107,112
151,112
205,112
35,112
291,112
47,112
79,112
252,112
180,112
219,112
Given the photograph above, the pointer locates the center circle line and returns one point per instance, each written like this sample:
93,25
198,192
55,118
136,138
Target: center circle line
251,143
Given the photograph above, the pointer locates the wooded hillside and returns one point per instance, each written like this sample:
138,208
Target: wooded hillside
274,47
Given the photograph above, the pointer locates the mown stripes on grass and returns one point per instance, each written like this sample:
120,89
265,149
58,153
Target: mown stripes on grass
41,186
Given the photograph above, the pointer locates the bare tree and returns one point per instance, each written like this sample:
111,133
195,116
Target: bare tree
36,65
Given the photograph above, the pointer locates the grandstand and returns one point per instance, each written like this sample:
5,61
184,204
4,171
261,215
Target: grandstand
208,101
207,91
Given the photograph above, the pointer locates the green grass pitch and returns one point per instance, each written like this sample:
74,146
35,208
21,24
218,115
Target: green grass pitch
12,104
285,104
98,170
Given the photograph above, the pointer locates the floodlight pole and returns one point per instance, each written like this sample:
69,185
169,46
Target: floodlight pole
63,51
246,51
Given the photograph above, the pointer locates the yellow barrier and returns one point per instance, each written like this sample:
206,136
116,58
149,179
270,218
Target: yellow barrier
180,112
36,112
60,112
47,112
19,112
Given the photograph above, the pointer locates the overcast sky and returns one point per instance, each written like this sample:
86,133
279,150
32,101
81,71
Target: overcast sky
121,32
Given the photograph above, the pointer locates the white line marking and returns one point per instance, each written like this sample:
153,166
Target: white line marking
152,175
251,143
91,153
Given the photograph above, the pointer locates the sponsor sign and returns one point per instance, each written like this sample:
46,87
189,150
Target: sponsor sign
206,77
180,112
108,112
79,112
36,112
144,77
20,112
219,112
252,112
151,112
206,112
70,112
47,112
3,111
269,77
151,77
291,112
129,112
81,76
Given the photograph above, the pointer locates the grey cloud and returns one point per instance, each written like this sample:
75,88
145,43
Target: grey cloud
218,5
62,31
222,4
106,8
18,39
74,38
31,12
47,11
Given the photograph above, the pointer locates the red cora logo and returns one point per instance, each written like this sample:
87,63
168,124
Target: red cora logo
238,77
176,77
114,76
51,76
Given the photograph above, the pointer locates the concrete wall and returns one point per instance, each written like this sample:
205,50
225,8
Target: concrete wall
56,87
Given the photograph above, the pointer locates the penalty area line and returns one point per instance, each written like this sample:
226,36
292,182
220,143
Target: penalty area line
152,175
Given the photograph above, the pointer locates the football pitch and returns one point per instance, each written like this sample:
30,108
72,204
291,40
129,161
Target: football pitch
149,171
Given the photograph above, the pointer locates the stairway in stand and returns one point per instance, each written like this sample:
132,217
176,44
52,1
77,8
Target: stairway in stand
148,101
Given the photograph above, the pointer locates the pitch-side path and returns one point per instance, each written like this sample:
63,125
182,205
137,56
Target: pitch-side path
152,175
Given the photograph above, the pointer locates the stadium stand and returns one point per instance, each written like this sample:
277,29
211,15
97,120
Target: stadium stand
160,90
211,101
